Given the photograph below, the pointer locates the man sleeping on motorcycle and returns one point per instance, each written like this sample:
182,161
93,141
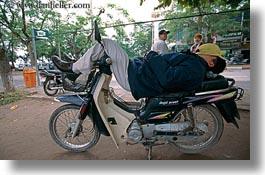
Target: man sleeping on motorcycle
155,73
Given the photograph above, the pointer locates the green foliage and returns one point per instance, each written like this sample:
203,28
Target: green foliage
74,36
196,3
141,40
70,36
9,97
205,24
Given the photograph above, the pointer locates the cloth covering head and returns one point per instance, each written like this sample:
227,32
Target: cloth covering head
213,50
163,31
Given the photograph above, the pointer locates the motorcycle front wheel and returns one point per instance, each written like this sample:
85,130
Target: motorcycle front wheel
61,125
207,116
48,84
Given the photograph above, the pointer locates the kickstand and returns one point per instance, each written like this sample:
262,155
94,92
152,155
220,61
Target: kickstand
149,154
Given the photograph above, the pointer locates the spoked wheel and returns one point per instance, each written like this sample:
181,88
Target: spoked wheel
48,85
208,132
62,123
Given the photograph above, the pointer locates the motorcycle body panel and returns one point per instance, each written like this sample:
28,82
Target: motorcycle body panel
115,119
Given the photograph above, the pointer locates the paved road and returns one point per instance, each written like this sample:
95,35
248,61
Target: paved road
242,77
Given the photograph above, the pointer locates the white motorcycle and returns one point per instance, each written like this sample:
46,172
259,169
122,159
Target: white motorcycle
189,121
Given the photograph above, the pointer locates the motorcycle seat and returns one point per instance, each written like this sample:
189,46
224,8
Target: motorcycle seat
54,71
220,82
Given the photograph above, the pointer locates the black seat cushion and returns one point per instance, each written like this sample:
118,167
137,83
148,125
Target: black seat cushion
220,82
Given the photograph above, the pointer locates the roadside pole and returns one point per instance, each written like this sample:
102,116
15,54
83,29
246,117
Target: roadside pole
35,55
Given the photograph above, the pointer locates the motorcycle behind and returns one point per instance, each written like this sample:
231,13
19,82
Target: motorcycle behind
191,122
52,81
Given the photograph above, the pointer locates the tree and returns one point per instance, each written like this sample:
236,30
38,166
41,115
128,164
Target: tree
118,32
20,18
5,70
141,39
69,36
195,3
200,23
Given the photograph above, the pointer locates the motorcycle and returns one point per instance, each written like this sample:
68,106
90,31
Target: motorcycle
52,81
56,81
191,122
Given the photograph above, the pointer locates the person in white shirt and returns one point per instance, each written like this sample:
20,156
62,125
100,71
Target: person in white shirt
160,46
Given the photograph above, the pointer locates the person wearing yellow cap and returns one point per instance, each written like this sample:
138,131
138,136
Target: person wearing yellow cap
211,53
155,73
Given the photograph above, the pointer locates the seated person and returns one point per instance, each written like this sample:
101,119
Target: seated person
155,74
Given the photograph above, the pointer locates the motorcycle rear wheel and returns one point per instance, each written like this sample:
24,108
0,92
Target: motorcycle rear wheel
48,84
61,124
205,114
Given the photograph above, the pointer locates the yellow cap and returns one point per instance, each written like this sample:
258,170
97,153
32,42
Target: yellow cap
210,49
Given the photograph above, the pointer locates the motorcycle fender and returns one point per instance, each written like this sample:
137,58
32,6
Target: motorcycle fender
229,111
75,99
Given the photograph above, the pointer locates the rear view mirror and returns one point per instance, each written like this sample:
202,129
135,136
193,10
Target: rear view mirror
97,33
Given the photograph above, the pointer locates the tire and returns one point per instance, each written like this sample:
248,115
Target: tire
48,83
60,126
215,126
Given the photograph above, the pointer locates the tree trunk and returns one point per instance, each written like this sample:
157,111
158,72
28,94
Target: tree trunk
199,22
5,71
31,54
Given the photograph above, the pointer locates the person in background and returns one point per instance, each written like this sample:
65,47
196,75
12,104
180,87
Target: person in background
197,42
160,45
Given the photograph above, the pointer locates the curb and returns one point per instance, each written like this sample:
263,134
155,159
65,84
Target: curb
245,67
35,95
40,97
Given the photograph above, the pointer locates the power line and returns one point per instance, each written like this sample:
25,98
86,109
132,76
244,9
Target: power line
167,19
157,20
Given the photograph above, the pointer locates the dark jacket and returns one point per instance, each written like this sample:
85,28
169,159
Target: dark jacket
157,74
